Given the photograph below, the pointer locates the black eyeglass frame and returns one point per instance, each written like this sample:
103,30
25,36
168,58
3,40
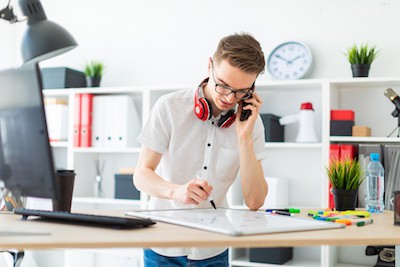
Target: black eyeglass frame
248,91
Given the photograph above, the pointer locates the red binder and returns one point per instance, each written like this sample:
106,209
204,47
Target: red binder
77,121
86,120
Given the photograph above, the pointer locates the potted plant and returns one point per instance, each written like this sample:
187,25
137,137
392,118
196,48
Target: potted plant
345,176
93,72
361,58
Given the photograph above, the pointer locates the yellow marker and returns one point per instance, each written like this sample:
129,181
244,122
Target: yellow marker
365,214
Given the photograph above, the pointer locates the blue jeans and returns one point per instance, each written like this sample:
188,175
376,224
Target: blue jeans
152,259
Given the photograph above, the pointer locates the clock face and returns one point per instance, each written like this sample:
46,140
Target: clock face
290,61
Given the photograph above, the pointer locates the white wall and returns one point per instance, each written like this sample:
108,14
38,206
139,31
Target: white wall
169,41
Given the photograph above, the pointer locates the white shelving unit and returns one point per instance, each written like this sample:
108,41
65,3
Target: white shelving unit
301,164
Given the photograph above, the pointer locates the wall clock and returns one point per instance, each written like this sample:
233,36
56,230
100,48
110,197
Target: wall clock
290,61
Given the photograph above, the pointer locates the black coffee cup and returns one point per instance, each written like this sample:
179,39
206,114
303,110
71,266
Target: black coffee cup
64,181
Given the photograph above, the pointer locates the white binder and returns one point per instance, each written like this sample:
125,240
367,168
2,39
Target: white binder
57,121
116,122
99,106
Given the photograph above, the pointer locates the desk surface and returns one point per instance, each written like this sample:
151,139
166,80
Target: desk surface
381,232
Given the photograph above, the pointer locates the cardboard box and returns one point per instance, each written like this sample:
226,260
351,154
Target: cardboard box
361,131
57,78
274,131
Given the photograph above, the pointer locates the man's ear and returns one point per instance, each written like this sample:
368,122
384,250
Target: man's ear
209,68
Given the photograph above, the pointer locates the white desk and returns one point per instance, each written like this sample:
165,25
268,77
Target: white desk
381,232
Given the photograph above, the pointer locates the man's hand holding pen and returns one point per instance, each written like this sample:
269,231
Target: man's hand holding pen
193,192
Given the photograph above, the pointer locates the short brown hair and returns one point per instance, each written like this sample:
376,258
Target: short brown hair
242,51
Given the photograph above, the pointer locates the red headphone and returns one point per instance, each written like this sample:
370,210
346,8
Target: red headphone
203,109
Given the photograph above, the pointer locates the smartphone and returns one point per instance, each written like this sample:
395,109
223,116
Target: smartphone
245,113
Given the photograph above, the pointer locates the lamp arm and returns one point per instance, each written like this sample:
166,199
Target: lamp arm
7,13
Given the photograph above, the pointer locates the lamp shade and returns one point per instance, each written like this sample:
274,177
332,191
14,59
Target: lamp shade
42,38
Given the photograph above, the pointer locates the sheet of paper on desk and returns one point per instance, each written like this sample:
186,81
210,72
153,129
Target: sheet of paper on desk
234,222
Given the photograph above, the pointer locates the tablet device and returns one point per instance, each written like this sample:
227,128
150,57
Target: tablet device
234,221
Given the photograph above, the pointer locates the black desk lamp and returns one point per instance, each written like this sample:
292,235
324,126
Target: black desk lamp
42,39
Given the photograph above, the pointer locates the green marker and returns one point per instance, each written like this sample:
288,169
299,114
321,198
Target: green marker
289,210
364,222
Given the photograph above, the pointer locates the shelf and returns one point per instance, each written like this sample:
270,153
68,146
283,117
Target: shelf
96,200
349,265
56,92
63,144
93,203
292,145
244,261
351,139
362,83
112,90
106,150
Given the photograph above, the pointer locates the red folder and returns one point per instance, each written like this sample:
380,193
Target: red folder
77,120
347,151
334,151
86,120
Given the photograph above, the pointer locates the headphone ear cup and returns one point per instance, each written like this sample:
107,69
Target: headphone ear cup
227,120
203,109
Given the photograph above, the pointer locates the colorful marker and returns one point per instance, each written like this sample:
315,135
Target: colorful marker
369,221
281,213
353,222
290,210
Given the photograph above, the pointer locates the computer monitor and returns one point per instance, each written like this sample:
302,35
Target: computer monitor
26,162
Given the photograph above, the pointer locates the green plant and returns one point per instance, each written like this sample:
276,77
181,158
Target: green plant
363,54
345,173
94,69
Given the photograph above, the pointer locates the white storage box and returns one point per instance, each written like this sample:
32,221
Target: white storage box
278,193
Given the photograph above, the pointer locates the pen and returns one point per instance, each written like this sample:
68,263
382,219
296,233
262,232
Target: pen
290,210
210,197
281,213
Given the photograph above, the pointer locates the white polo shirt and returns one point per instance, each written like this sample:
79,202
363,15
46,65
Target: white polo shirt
190,147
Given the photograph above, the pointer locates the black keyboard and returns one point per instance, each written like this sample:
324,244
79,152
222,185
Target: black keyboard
86,219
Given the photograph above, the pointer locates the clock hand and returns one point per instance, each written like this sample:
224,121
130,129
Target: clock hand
291,61
280,57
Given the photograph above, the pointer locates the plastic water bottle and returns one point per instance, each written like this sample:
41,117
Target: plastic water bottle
375,185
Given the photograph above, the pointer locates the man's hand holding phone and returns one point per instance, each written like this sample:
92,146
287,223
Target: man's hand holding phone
245,112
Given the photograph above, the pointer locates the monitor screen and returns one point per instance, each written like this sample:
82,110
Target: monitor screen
26,162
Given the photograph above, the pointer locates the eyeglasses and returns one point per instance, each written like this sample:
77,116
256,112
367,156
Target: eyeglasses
226,90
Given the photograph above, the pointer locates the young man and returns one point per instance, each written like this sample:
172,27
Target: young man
194,144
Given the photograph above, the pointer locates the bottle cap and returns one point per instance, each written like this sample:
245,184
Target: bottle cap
306,106
374,156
